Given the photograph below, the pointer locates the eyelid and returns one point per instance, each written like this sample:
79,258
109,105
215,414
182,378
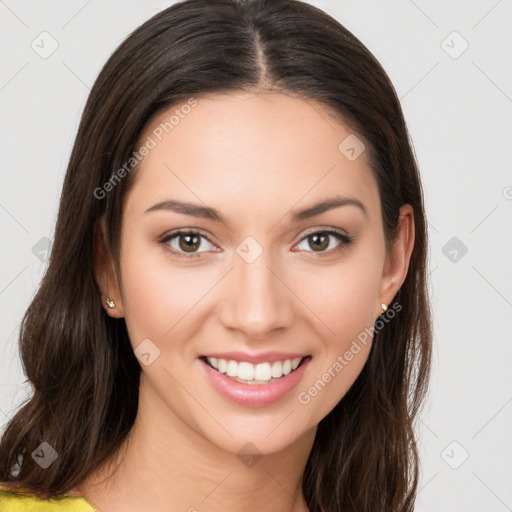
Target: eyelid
323,229
166,237
343,237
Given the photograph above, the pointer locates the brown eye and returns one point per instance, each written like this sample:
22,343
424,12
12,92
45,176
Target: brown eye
188,243
320,241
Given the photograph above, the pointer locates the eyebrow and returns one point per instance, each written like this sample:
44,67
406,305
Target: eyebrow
206,212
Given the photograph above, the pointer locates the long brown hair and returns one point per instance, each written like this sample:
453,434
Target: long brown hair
79,360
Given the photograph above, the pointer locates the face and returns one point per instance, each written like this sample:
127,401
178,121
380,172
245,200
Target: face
252,279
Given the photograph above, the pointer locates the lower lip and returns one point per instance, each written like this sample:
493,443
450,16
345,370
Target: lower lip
254,395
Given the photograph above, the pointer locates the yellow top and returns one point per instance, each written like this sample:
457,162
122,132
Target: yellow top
12,503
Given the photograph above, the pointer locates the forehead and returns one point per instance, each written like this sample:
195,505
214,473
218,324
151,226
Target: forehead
266,152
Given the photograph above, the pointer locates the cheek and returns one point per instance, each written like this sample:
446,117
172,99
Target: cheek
344,297
343,300
159,299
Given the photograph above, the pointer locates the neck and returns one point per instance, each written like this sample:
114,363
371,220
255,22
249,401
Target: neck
165,464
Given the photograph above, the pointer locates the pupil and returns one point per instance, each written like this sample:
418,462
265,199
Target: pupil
316,237
189,244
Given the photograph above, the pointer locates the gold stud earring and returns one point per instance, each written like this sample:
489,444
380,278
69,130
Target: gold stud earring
110,303
384,307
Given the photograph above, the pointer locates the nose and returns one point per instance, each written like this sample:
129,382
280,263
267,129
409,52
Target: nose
256,299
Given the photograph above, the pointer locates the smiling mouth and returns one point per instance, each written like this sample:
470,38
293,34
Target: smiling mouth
248,373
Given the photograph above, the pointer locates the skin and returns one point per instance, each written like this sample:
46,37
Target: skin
255,157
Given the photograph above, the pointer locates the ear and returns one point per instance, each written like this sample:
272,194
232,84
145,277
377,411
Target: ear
398,257
105,271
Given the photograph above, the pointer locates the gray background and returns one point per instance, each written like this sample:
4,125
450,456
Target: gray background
458,107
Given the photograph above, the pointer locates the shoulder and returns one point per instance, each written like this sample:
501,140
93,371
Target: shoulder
30,503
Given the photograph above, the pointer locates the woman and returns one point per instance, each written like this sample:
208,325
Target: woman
235,313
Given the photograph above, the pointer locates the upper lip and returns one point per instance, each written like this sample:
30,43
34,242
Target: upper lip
264,357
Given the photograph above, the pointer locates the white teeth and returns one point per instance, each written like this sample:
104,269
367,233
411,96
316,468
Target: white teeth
222,365
277,369
245,371
263,371
249,373
232,369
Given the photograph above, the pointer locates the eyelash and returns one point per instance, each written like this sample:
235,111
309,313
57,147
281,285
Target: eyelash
345,240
